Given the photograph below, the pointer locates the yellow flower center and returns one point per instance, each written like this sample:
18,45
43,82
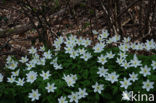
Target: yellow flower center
31,77
147,85
50,87
113,77
34,94
98,49
98,87
103,59
145,70
125,83
62,101
12,65
45,74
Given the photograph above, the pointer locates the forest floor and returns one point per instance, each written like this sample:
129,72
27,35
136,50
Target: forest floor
80,23
17,44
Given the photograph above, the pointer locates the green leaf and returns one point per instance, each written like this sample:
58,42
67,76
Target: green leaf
107,96
86,82
115,90
97,96
152,77
85,74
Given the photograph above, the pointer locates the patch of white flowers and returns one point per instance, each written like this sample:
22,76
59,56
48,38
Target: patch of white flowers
70,44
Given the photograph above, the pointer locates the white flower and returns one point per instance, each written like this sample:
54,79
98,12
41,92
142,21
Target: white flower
104,34
60,39
73,43
98,47
147,47
102,59
54,61
82,93
145,71
133,77
82,51
9,59
31,76
58,48
110,55
153,65
74,76
125,83
47,54
32,50
113,77
74,54
148,85
24,59
30,65
74,97
57,43
11,79
121,47
42,48
57,66
150,44
119,60
135,62
110,40
80,41
36,57
73,38
42,61
13,65
126,40
124,47
68,49
86,42
140,46
102,72
34,95
133,46
126,95
122,55
62,100
45,75
86,56
115,38
94,32
1,77
98,87
35,61
16,73
20,81
69,80
69,43
100,38
125,64
50,87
